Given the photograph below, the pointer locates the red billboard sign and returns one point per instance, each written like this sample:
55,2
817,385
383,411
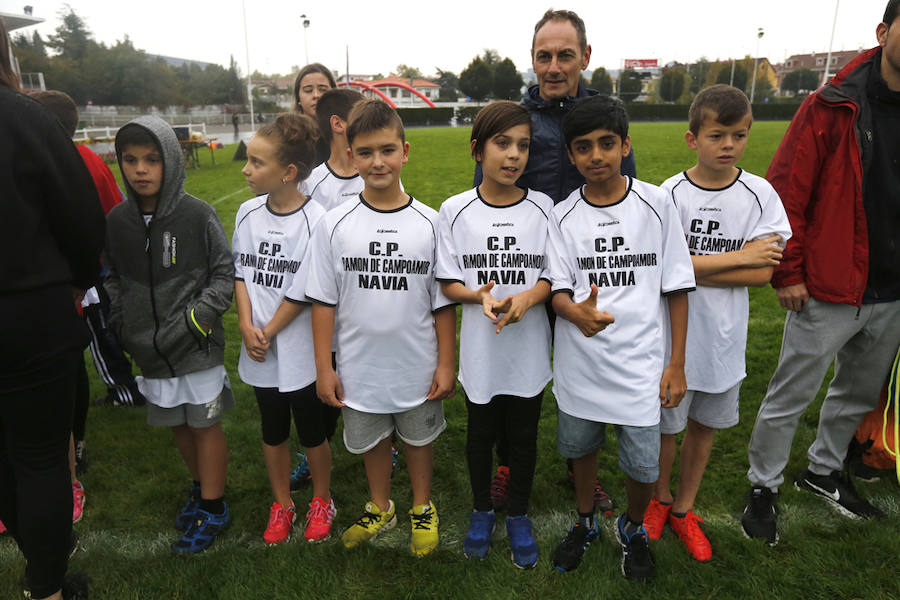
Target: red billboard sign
641,63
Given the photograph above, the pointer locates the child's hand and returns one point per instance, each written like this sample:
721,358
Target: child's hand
488,302
442,384
587,318
256,343
672,387
329,388
764,252
513,308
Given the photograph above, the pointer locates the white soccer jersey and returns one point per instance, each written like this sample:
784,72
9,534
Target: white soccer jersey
634,251
716,221
377,268
478,243
268,250
330,189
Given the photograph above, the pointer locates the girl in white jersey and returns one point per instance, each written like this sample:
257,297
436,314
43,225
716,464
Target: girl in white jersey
491,259
271,235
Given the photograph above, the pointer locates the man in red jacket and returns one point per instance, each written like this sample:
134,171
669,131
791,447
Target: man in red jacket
838,176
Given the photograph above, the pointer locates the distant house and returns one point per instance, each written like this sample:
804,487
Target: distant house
178,62
816,62
17,21
402,96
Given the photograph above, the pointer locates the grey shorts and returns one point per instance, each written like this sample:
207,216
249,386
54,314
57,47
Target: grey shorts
638,446
417,426
716,411
198,416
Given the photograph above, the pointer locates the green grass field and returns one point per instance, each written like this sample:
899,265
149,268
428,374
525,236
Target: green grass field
136,480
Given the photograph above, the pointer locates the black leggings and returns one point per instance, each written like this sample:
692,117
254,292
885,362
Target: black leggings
82,400
517,418
315,421
35,485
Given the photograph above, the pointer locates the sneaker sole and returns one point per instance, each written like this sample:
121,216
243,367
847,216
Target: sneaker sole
522,567
841,509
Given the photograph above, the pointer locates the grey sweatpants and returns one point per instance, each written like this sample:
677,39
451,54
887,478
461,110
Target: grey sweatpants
863,346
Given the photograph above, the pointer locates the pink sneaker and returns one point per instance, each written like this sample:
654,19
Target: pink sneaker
77,501
318,519
281,520
2,528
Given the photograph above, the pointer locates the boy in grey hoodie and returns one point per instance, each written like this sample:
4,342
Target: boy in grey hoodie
170,280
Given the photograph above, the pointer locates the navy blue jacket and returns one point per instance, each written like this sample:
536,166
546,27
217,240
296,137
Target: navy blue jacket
549,169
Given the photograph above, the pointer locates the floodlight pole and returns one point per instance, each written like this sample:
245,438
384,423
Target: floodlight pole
731,81
837,3
759,34
305,38
249,84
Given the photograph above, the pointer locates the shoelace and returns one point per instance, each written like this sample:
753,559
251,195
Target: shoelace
694,533
281,516
367,519
422,521
319,512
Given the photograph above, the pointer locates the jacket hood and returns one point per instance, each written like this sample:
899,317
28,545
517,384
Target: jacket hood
850,82
173,163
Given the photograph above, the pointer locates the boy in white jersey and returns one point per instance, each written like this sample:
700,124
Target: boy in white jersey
735,228
618,260
336,180
372,280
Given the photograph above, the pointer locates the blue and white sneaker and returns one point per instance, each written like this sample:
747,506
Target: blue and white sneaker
186,512
300,476
478,539
394,455
637,562
521,541
202,532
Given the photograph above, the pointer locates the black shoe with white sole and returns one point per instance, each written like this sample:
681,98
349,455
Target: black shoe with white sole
839,492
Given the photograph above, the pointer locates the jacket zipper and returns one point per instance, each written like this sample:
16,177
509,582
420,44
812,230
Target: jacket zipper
149,254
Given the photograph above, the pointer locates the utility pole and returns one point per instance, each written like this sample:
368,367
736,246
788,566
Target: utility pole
837,3
759,34
305,39
249,84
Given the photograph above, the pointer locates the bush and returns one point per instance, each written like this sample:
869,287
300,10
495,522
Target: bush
466,114
412,117
767,111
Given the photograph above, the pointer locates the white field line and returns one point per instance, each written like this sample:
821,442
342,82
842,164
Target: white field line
231,195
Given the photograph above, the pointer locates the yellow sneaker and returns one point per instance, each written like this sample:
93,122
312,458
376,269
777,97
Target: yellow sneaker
372,522
424,521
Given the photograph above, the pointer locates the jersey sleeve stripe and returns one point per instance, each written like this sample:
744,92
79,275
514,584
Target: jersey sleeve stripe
249,212
322,302
678,291
650,206
333,229
537,207
755,197
468,204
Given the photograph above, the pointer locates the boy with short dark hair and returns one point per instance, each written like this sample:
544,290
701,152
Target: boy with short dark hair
171,278
616,246
372,280
336,180
735,227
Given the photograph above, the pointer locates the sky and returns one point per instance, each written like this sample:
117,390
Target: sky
447,35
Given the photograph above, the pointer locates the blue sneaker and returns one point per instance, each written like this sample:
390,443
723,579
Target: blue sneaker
568,553
186,512
478,539
202,532
300,475
637,562
521,541
394,455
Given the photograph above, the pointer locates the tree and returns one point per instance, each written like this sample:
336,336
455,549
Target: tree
630,85
740,75
449,83
601,81
407,72
477,79
698,71
507,81
491,57
73,38
801,79
671,84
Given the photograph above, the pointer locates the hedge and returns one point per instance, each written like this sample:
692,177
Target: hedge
425,116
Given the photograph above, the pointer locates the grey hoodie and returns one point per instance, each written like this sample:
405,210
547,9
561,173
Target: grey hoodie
168,276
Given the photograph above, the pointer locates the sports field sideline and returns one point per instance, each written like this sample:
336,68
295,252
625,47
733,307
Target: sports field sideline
135,481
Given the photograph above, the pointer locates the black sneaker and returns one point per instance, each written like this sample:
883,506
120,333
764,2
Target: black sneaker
637,562
568,553
840,493
865,473
758,521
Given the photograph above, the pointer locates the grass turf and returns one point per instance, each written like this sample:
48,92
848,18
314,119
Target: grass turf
136,480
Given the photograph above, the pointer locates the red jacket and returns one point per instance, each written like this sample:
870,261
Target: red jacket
818,172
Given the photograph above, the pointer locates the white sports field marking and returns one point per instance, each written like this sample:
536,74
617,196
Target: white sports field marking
232,194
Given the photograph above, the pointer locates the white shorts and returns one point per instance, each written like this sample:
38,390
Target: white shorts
716,411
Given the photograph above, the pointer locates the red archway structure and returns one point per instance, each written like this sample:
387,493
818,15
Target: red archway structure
377,84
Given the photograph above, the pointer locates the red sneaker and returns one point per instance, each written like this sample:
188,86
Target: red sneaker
500,488
2,528
281,520
319,519
688,529
655,518
77,501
